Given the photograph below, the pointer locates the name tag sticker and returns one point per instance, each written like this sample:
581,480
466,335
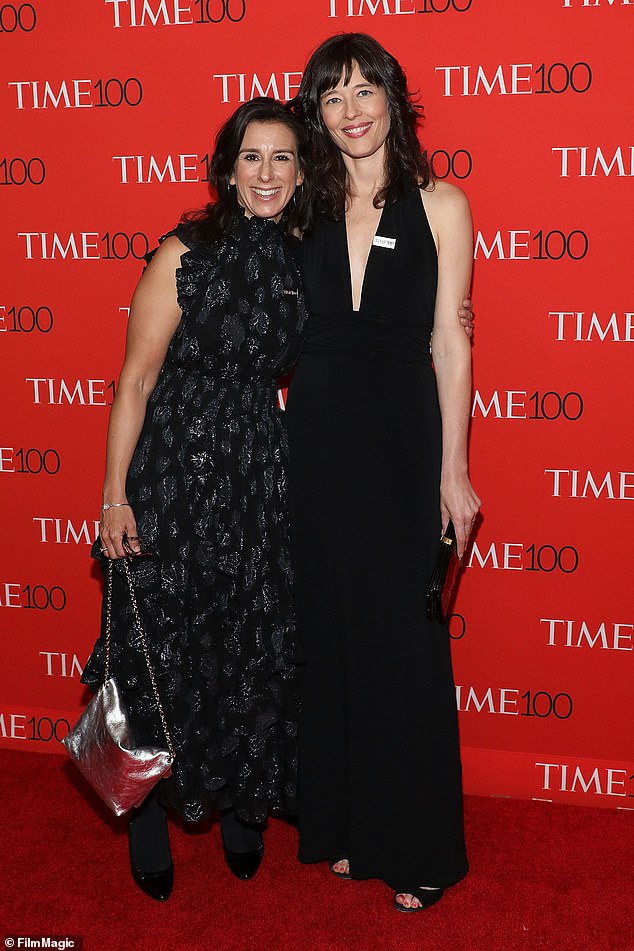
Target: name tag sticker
381,242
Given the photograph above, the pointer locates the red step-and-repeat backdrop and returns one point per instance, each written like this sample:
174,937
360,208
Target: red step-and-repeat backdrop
109,111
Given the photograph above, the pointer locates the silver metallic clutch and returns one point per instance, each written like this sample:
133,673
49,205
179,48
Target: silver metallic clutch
101,743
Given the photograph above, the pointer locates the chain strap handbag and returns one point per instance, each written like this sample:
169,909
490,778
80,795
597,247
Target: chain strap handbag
101,742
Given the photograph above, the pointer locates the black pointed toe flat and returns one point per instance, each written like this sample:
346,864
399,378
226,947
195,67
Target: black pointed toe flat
157,885
244,865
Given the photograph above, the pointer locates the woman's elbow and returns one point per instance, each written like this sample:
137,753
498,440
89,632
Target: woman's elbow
450,347
137,384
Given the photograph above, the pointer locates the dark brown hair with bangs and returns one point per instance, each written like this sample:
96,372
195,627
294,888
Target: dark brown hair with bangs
404,158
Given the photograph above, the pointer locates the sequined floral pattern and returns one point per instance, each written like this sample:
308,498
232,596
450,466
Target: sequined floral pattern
208,486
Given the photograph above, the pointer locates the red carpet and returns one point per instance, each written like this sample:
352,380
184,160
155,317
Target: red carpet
542,876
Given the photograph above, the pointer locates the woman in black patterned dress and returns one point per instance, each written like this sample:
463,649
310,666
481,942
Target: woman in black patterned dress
195,474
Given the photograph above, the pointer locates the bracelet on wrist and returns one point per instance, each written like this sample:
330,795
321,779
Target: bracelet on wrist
113,505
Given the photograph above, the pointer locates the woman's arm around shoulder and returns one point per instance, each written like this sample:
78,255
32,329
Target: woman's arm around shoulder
154,317
450,221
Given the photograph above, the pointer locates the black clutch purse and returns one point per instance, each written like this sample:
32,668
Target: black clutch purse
443,577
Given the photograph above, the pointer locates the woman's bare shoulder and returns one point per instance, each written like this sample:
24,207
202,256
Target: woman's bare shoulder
166,259
444,198
447,210
171,249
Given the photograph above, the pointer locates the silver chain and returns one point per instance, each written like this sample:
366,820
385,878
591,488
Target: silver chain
141,632
106,672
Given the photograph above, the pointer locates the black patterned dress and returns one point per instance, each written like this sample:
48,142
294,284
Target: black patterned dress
207,484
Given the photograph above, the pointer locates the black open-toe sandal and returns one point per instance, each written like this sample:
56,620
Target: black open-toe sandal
344,876
426,897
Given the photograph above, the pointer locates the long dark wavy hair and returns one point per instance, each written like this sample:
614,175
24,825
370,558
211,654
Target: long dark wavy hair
213,222
404,158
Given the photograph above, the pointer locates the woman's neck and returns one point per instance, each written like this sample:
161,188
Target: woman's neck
365,176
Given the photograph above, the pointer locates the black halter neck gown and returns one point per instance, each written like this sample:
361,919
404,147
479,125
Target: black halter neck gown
380,777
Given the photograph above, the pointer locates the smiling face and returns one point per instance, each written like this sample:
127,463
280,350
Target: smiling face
267,170
356,115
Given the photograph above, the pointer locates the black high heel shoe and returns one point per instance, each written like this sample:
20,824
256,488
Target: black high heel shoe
150,854
243,846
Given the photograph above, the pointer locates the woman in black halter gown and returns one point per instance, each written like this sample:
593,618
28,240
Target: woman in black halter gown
377,466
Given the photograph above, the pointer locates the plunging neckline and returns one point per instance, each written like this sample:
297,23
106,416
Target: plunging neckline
367,261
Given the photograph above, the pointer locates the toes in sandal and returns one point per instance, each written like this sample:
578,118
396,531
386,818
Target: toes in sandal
426,898
345,876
